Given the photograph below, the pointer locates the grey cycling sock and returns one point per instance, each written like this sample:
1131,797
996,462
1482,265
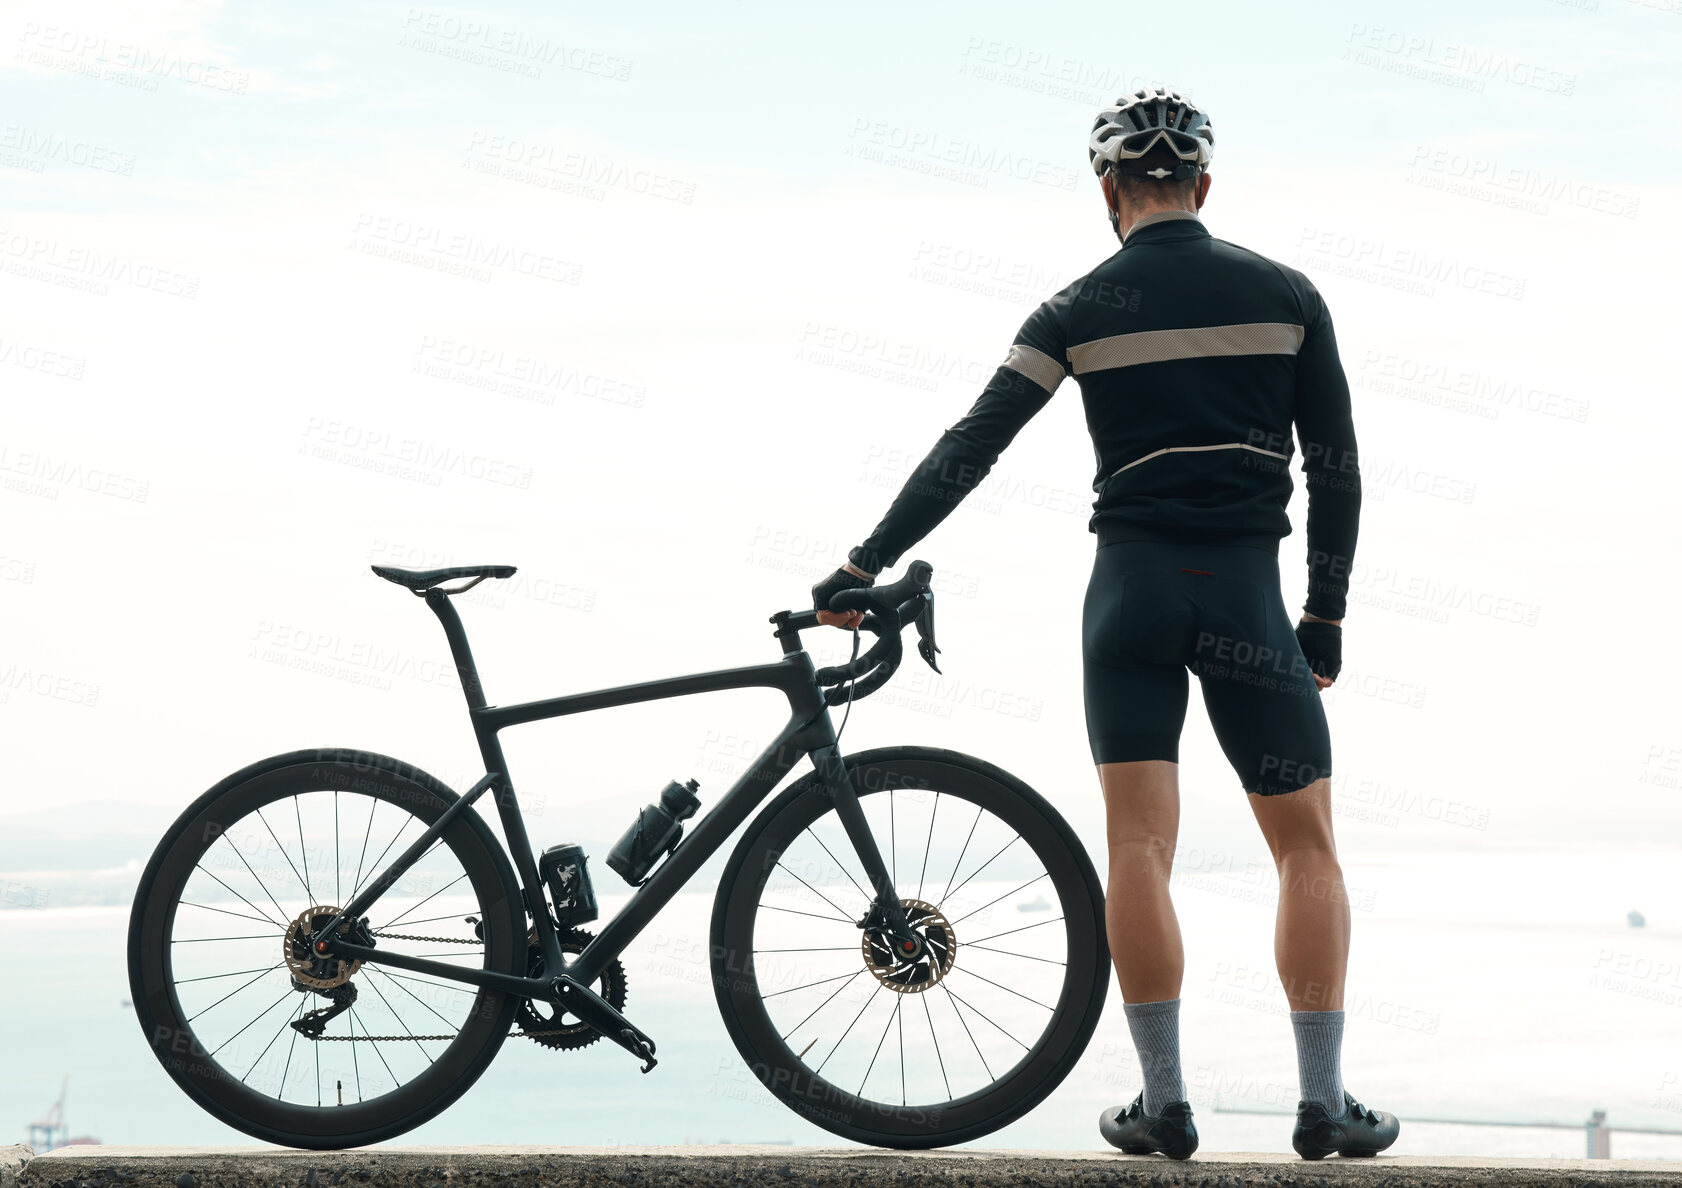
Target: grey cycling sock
1156,1037
1320,1058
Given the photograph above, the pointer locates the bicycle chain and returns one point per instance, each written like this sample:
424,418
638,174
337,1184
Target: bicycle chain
382,1039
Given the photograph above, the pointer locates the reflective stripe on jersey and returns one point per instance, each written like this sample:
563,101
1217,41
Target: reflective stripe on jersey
1192,342
1229,445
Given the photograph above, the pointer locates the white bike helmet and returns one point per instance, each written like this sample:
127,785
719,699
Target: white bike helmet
1140,121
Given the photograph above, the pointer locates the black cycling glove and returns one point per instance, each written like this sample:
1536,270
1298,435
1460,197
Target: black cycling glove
835,583
1322,644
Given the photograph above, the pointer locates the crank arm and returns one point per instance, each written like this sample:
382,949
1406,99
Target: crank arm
596,1011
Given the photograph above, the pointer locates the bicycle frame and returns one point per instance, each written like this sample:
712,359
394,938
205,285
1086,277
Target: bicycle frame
808,731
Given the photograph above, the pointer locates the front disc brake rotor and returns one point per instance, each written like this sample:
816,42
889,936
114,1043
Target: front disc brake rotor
921,966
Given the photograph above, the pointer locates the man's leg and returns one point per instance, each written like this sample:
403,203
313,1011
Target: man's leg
1142,808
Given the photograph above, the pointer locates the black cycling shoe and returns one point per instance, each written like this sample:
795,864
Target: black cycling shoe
1359,1132
1172,1132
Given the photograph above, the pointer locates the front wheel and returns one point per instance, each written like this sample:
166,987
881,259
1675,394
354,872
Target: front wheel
315,1052
965,1035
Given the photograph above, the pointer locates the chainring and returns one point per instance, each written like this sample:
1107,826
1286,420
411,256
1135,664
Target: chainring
553,1030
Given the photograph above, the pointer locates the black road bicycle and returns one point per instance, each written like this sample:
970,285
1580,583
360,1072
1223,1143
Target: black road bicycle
328,947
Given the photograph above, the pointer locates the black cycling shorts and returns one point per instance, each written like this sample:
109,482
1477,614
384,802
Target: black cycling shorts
1154,610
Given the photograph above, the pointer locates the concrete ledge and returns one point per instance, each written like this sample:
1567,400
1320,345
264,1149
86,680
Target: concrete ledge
12,1160
784,1167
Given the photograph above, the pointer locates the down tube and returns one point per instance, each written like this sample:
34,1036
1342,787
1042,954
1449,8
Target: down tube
745,795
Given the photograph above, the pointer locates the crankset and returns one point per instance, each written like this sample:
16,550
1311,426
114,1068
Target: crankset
551,1030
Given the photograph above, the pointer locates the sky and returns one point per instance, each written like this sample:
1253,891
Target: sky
661,305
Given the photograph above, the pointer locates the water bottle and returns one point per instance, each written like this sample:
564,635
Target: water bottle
655,833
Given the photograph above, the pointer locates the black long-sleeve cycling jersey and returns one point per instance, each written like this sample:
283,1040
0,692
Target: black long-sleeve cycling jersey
1195,357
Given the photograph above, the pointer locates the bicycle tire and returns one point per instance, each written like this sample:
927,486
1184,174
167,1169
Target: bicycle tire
169,1031
1085,981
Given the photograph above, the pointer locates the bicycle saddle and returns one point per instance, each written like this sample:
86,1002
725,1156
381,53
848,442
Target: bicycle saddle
422,580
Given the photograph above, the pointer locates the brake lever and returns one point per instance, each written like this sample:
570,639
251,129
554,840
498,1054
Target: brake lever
926,647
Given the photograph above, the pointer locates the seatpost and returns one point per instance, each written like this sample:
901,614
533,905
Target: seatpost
457,635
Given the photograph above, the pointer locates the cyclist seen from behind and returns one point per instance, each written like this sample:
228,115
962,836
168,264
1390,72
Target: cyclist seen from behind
1195,359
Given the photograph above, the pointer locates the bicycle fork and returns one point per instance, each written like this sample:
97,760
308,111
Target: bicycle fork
887,914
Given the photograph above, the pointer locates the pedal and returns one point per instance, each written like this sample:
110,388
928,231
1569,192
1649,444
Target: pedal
600,1014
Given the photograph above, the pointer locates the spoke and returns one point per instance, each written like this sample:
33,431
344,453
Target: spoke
283,912
809,985
374,803
1006,989
317,1048
435,919
1042,875
270,1044
928,844
394,1081
243,899
1014,931
416,997
901,1018
951,998
241,1031
977,871
434,895
867,898
856,1018
891,1017
239,915
1024,956
304,854
355,1064
831,949
205,940
212,977
290,1048
811,888
986,1020
771,907
893,844
819,1007
407,819
309,899
961,853
930,1015
236,990
399,1018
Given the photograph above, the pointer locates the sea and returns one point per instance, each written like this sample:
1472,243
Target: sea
1496,1000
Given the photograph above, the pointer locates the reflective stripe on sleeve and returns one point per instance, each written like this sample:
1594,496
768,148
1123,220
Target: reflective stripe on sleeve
1035,366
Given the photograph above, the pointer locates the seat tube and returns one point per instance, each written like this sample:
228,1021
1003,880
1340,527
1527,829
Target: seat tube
833,771
457,635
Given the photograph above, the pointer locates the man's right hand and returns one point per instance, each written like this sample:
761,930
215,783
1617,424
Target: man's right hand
842,579
1322,647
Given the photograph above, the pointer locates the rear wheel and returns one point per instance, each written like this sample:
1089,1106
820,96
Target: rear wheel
943,1044
322,1053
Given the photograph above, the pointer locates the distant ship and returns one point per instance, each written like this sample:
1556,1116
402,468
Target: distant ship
52,1132
1636,919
